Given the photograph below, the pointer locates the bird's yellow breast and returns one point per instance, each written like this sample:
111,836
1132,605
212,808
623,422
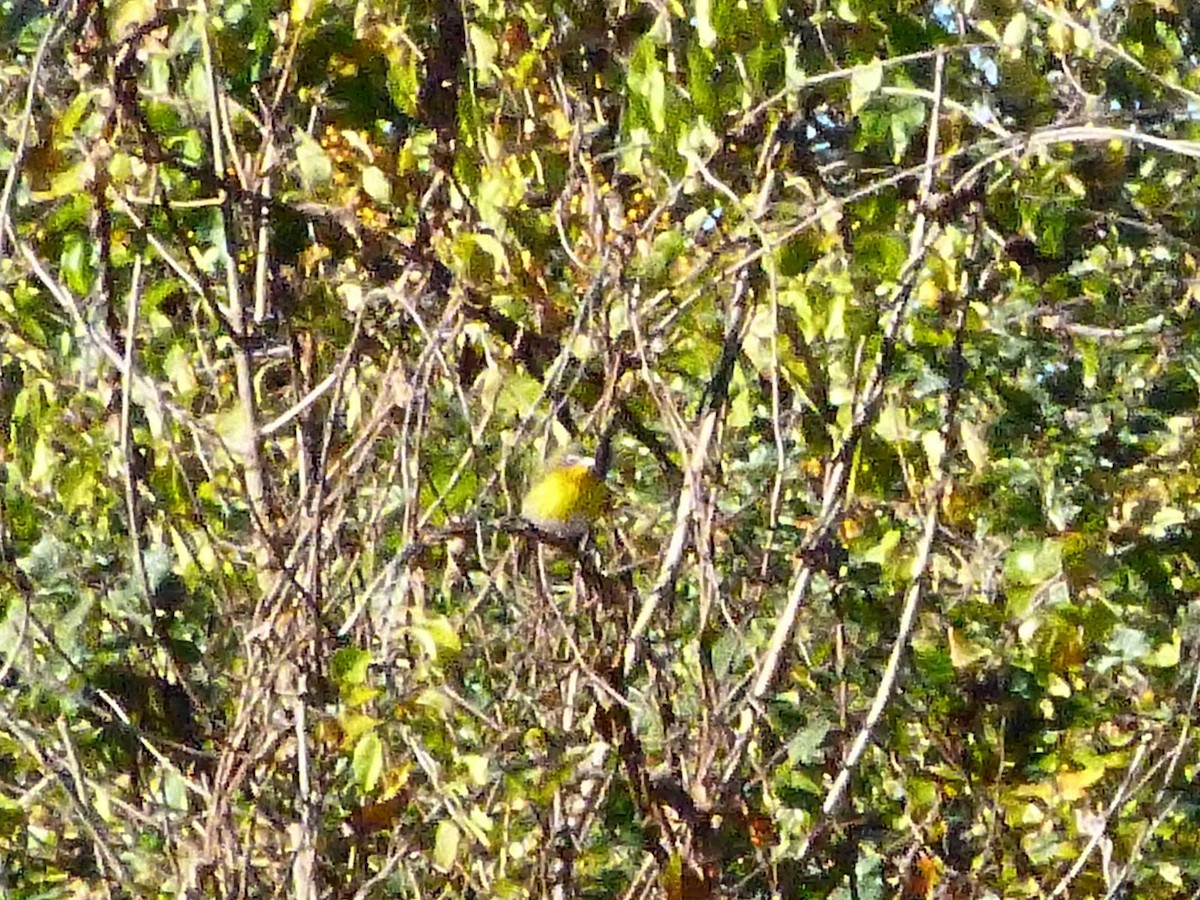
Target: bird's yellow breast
567,499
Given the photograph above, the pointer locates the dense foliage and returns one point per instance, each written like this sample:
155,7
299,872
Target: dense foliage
890,310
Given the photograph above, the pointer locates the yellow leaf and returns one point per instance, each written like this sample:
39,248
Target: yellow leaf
233,427
1058,687
130,14
477,768
301,10
1169,872
865,81
963,652
1015,32
45,461
1041,790
1059,36
1165,655
1073,785
987,28
928,293
71,181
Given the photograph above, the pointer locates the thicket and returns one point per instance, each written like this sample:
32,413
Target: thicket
890,309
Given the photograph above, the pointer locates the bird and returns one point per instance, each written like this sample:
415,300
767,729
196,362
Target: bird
568,496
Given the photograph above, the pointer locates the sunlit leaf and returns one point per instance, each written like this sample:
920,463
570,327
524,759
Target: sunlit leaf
376,184
315,166
865,82
1015,31
1165,655
704,27
1073,785
445,844
477,768
1033,562
45,463
963,652
368,762
350,665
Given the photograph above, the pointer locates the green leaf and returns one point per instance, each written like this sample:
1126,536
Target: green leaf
1031,562
964,652
1126,645
485,47
127,14
835,322
404,86
498,192
702,18
76,263
646,80
935,449
45,463
158,560
444,634
178,368
698,141
368,762
1169,38
434,699
349,666
357,695
865,82
314,164
301,10
174,791
46,559
655,88
1165,655
477,768
906,121
434,635
1170,873
376,184
69,119
445,845
988,28
881,552
354,725
234,429
974,444
806,746
517,393
869,874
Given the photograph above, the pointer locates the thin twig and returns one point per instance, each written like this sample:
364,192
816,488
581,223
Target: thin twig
131,496
908,619
689,495
1117,801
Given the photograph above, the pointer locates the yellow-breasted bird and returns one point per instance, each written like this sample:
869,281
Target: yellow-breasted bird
567,497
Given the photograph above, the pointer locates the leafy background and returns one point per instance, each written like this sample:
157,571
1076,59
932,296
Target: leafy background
889,309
